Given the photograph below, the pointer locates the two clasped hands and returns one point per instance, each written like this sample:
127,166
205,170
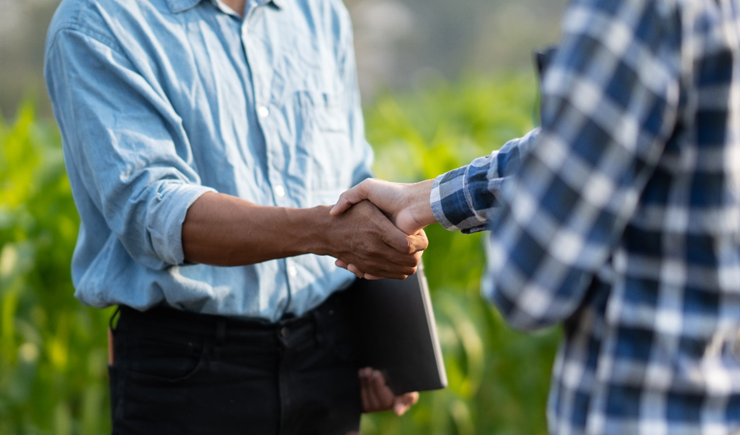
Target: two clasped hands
408,208
406,205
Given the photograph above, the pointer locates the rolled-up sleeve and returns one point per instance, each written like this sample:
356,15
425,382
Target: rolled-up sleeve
126,149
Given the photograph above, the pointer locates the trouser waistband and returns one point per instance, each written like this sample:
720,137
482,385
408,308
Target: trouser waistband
168,319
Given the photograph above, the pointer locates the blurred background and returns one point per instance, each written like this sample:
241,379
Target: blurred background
442,83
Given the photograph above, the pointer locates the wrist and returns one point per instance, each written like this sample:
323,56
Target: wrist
421,206
316,222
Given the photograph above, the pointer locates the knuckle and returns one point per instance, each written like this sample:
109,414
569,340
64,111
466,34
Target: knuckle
411,261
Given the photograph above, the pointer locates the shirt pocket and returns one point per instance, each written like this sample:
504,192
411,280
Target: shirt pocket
331,116
327,142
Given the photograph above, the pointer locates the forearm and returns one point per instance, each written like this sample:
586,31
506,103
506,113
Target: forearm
224,230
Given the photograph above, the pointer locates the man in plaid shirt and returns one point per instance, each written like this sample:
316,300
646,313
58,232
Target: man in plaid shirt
619,218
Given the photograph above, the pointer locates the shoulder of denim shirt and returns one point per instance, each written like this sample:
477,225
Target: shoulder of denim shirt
105,20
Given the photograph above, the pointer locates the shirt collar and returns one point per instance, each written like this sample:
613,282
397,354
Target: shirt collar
177,6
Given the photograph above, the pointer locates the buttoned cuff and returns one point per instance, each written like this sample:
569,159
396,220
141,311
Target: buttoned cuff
450,203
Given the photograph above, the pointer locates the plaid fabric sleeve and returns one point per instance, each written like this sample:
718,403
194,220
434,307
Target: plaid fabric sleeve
604,124
465,199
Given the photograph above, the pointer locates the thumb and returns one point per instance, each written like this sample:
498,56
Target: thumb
404,402
348,199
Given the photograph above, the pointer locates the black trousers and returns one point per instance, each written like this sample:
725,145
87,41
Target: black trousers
181,373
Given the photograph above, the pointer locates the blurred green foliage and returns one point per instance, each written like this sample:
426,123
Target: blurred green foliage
53,350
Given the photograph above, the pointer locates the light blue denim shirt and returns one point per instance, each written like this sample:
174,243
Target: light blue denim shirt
160,101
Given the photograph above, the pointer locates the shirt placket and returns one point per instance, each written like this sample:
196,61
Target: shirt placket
260,58
260,61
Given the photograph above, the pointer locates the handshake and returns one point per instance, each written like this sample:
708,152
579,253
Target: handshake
407,206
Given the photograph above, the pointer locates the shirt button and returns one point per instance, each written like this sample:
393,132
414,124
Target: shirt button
280,191
284,332
292,271
262,111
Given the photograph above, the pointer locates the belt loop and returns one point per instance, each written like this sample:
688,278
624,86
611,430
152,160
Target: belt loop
113,318
111,334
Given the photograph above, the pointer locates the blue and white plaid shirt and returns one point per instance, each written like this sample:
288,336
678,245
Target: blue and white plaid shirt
620,218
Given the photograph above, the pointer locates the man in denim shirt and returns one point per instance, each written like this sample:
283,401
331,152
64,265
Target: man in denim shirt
202,140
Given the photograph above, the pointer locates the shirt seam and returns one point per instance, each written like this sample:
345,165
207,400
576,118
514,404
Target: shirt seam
75,25
96,36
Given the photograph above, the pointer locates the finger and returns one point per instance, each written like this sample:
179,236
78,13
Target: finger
390,274
349,198
400,408
371,393
364,390
391,271
404,243
393,260
358,273
395,266
372,277
342,205
375,401
419,241
404,402
395,238
414,397
388,265
383,395
387,269
385,231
